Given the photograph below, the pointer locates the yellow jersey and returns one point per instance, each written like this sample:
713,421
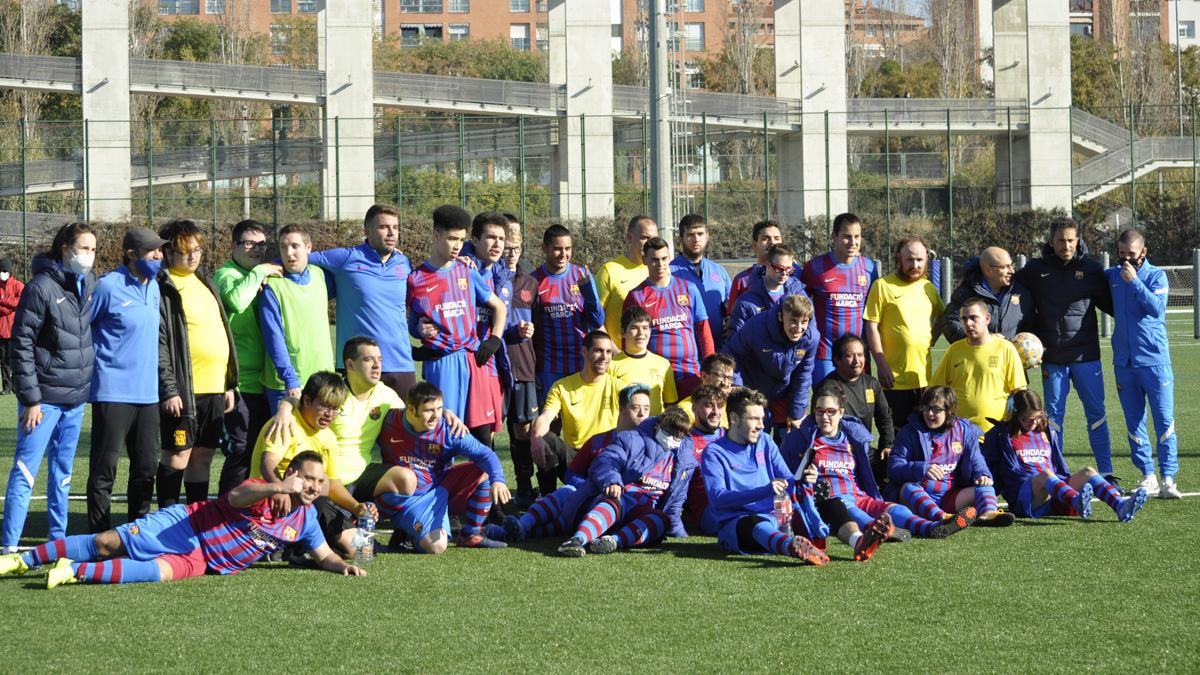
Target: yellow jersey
304,437
208,346
905,312
614,280
649,369
357,427
585,409
982,378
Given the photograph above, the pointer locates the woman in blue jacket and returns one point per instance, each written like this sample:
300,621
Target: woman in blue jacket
936,467
1025,455
52,360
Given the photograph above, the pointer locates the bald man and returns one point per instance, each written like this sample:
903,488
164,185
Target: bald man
989,277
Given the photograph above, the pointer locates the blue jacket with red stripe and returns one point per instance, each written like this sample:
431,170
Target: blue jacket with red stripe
1002,460
772,364
635,452
910,455
797,450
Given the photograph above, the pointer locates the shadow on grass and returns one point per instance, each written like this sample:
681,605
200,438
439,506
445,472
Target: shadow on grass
706,551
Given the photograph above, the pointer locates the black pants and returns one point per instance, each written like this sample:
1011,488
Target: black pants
5,368
136,428
243,424
400,382
834,513
558,456
903,403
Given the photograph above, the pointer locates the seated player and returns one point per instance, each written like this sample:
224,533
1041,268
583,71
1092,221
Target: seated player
217,536
831,452
635,408
743,474
586,404
717,370
419,446
774,352
635,488
1025,455
636,363
323,395
936,467
707,411
865,400
763,290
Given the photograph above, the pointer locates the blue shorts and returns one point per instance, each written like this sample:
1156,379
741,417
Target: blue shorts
452,375
164,532
523,402
1024,504
727,535
424,513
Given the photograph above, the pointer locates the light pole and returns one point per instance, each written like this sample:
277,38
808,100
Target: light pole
1179,67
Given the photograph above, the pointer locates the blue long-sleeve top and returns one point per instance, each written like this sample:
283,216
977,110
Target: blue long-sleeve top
371,299
772,364
1006,469
737,478
910,454
1140,306
270,322
635,452
125,319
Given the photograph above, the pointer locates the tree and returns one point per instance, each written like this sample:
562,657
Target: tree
628,70
25,28
488,59
952,48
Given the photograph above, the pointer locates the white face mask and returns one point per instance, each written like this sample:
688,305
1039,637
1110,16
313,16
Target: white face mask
81,263
666,440
3,276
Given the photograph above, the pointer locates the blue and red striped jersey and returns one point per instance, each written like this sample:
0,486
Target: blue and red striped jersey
447,297
835,463
945,450
430,454
700,442
839,293
674,311
582,461
1033,451
654,482
565,310
233,539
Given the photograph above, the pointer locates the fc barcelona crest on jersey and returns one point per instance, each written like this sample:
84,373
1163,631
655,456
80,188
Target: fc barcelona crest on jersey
374,414
1015,300
869,395
800,353
956,446
289,533
1079,275
993,362
575,289
434,449
683,300
862,280
526,295
462,284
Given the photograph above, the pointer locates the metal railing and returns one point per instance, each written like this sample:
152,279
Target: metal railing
933,111
629,100
41,68
154,73
468,90
1098,130
1114,165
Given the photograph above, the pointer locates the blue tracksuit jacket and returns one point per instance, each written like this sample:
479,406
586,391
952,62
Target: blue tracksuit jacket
769,362
1140,332
910,455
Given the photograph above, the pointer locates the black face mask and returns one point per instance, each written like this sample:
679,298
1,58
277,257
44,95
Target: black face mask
1136,262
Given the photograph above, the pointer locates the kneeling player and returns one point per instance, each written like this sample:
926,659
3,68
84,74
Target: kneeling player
936,467
417,446
1025,454
743,474
220,536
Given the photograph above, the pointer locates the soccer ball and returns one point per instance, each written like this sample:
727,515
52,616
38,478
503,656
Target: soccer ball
1030,348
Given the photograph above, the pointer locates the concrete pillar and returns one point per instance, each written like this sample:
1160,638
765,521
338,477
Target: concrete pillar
810,65
344,40
105,64
1032,47
581,59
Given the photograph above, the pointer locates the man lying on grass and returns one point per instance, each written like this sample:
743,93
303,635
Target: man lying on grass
217,536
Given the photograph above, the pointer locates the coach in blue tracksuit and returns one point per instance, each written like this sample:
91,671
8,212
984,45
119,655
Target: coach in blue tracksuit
1068,286
1142,361
774,352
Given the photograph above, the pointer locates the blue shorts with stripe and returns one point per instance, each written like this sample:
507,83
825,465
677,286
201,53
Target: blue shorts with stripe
164,532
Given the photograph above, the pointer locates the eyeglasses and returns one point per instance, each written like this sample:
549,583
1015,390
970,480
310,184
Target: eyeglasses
1009,266
782,269
253,245
720,377
935,409
194,253
826,412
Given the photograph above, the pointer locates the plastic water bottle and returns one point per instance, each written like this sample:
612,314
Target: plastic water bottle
783,512
364,541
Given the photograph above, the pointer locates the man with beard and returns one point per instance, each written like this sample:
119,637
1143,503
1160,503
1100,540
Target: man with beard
711,278
901,322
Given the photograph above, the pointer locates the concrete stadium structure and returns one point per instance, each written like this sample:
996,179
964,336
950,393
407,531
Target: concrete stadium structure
579,118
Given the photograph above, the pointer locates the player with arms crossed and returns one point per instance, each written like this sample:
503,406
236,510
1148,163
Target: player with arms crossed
420,446
218,536
1026,457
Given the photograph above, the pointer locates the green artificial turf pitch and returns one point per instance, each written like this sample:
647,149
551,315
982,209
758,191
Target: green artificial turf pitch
1049,595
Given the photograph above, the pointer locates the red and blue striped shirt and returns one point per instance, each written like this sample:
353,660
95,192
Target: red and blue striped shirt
945,450
674,311
835,463
430,454
448,298
1033,452
654,482
233,539
565,310
839,293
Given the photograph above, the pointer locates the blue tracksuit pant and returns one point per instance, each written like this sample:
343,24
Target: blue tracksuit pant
57,436
1154,384
1088,378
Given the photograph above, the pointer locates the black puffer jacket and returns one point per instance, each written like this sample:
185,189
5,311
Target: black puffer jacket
51,351
1066,296
174,359
1011,309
